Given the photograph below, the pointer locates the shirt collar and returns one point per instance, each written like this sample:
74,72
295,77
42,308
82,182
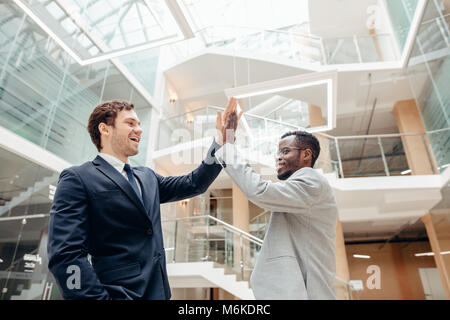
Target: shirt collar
113,161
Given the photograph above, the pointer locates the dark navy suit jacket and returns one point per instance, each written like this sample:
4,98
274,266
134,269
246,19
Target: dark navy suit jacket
95,211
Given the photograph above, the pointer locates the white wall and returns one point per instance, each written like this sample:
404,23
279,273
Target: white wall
345,18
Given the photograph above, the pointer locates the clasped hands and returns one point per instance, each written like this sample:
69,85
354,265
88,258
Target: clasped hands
227,123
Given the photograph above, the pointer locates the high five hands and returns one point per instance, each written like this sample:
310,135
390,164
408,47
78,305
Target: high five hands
227,124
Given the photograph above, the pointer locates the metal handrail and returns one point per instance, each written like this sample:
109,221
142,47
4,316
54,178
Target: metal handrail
259,215
318,41
389,135
436,18
373,136
31,216
309,36
232,228
376,136
336,139
191,111
272,120
437,130
360,36
222,109
258,30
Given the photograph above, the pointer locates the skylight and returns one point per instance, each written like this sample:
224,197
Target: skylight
113,27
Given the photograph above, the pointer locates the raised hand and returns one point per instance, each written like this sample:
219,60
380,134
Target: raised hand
227,124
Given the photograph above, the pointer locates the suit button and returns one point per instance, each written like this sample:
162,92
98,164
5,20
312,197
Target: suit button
149,231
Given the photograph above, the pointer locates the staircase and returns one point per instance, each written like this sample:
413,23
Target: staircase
209,253
209,275
24,195
33,293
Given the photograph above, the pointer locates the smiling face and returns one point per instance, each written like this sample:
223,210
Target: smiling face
290,159
122,139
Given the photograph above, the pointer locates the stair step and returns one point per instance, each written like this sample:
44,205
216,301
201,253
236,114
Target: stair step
214,273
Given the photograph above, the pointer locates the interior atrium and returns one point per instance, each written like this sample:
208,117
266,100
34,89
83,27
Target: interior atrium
369,78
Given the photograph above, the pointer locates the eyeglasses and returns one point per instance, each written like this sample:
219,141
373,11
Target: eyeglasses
286,150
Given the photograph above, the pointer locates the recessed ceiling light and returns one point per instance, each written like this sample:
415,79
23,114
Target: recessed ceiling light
427,254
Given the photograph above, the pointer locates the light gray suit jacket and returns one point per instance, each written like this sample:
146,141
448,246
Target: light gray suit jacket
297,259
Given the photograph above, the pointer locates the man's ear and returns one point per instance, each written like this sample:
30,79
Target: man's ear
308,155
103,129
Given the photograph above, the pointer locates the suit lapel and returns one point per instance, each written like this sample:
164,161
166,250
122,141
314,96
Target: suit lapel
110,172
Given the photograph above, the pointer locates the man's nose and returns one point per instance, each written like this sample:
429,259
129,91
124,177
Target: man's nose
138,130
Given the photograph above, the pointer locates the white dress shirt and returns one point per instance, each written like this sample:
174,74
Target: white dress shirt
119,165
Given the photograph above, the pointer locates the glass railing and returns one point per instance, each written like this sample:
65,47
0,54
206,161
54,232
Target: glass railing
430,65
258,224
378,155
291,45
346,156
440,143
257,137
201,122
433,35
220,207
188,126
286,43
401,13
359,49
290,111
205,238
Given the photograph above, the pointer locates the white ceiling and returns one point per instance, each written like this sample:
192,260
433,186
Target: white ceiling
325,22
201,81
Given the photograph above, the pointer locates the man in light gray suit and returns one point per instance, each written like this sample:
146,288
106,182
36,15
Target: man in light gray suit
297,259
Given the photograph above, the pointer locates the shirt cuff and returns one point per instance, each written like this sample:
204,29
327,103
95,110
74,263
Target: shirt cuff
210,156
227,154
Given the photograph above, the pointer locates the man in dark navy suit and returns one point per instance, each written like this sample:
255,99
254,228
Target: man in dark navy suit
111,211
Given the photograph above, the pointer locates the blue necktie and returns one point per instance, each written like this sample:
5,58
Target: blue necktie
131,179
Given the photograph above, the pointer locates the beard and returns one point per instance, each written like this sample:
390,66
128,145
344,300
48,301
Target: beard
284,175
121,145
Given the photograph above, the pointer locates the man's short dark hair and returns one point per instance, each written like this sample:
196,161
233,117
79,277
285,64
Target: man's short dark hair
306,140
105,112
